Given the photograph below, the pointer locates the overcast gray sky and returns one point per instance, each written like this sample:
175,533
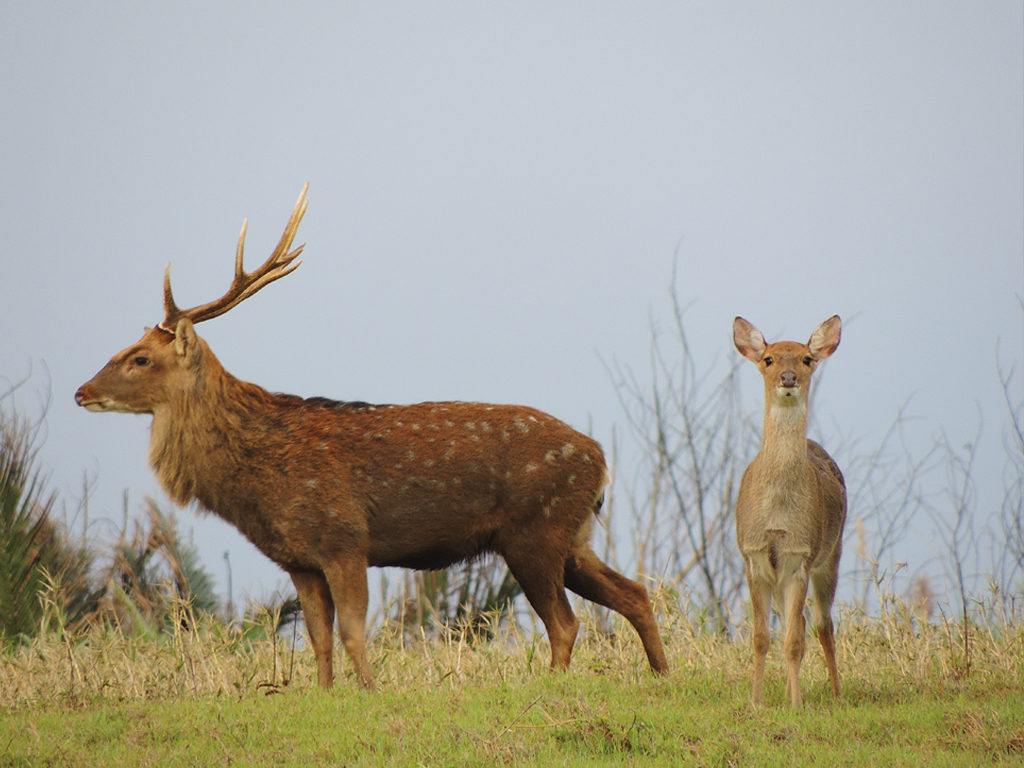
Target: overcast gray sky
498,191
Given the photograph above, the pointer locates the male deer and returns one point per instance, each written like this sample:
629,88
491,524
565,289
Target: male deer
326,488
791,506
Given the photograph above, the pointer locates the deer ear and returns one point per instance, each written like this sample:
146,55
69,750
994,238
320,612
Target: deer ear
825,339
186,343
748,340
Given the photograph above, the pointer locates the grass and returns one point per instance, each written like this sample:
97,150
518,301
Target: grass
212,697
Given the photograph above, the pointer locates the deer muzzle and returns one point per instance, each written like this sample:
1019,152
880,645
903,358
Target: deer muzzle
82,398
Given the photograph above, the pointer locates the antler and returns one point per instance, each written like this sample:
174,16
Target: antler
244,284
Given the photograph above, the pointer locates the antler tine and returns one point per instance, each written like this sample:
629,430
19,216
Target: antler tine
171,312
244,284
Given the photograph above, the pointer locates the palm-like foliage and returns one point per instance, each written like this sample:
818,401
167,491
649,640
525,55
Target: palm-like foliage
36,555
154,575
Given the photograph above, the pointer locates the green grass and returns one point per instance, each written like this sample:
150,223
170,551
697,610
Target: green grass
211,698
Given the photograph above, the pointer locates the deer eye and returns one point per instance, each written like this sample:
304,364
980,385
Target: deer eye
140,361
768,361
808,361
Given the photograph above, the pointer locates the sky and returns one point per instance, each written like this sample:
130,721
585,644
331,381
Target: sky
499,194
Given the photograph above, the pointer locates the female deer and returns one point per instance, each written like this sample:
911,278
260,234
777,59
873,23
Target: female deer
792,504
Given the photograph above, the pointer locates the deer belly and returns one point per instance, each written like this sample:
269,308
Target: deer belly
423,551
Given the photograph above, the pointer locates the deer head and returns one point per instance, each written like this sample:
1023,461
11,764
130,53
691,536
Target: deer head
162,364
786,366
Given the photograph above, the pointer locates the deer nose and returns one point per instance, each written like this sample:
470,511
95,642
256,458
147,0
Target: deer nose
788,379
80,395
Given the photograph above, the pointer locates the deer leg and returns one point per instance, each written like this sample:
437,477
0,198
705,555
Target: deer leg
794,596
591,579
318,612
760,604
346,576
823,587
543,586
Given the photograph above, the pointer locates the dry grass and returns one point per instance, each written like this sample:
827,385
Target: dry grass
215,695
875,656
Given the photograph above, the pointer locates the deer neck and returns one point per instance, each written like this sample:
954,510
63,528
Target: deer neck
784,437
195,438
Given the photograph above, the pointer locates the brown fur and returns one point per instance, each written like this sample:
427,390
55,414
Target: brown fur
791,506
326,489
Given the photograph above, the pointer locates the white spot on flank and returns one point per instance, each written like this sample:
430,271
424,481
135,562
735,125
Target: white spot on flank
531,467
312,484
565,452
